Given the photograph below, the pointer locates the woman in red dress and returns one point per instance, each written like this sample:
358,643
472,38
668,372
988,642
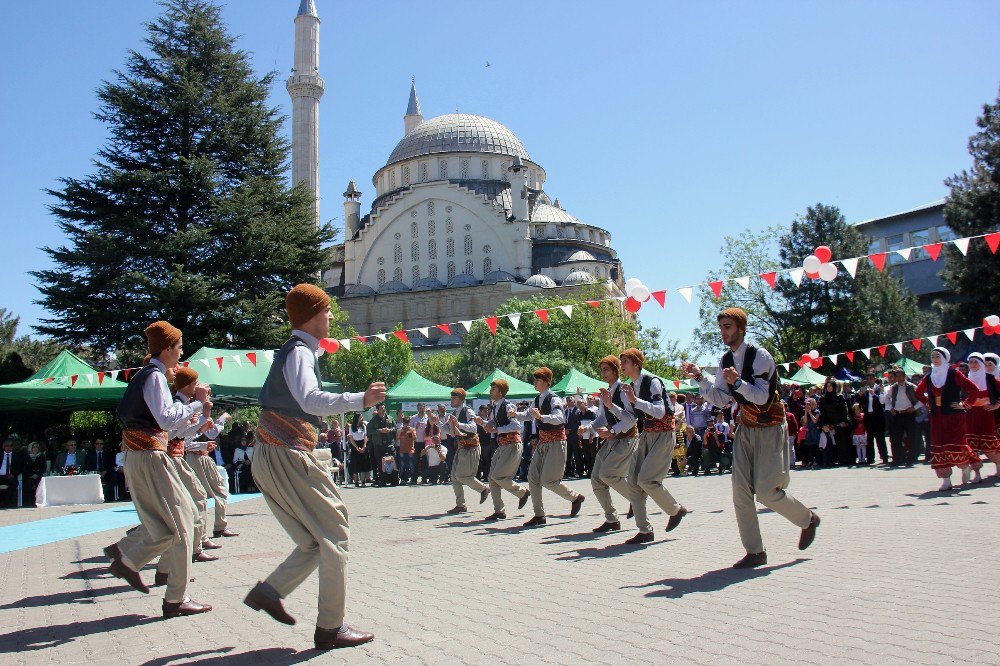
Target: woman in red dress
980,422
993,368
941,390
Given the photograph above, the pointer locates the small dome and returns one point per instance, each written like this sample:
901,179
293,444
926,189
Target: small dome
548,213
428,284
579,277
393,287
458,133
498,276
581,255
358,290
452,339
543,281
463,280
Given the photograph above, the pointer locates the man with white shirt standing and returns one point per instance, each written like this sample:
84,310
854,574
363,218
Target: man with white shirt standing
900,400
461,427
297,487
747,374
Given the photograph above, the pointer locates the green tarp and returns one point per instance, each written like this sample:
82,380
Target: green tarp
575,381
911,367
518,389
806,376
88,391
414,387
241,375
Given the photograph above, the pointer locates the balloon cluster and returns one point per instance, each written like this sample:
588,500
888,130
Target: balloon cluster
330,345
991,325
637,293
811,359
818,264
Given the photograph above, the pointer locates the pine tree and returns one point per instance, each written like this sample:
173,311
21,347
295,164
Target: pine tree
188,216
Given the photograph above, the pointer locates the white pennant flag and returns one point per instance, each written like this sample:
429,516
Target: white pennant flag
933,339
866,352
905,253
744,282
833,358
114,375
425,331
962,244
90,379
467,325
515,320
898,346
686,292
851,265
567,310
205,361
796,275
238,360
970,333
269,355
345,343
380,336
788,366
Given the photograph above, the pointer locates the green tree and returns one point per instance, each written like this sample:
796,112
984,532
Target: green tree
22,356
663,357
187,215
973,208
372,361
440,368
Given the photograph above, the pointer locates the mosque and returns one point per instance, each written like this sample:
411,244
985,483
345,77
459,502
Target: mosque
460,221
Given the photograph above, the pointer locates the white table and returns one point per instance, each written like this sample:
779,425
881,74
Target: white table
64,490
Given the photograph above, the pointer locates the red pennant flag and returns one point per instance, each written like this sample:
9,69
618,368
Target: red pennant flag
72,380
878,260
933,249
916,343
677,384
49,380
444,328
716,288
953,337
543,315
993,240
850,356
492,323
401,335
100,378
127,372
660,297
184,364
219,361
594,304
360,338
771,277
252,357
881,350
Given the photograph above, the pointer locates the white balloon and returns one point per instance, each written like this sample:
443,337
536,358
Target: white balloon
993,320
813,354
828,271
812,264
641,293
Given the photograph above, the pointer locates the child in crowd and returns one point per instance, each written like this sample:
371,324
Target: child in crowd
390,473
860,436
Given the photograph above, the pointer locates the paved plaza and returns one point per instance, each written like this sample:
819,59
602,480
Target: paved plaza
899,573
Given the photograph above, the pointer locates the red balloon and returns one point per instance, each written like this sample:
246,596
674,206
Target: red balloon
331,345
805,358
823,253
988,330
632,305
812,276
816,362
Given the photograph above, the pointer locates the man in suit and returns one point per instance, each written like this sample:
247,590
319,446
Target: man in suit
870,399
574,457
69,458
102,461
11,464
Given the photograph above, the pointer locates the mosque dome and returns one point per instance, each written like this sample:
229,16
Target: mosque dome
549,213
543,281
579,277
498,276
458,133
581,255
463,280
393,287
428,284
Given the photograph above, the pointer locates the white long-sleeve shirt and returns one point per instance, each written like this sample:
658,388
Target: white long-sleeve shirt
300,375
757,391
655,408
187,428
554,417
626,418
512,426
192,444
168,414
464,429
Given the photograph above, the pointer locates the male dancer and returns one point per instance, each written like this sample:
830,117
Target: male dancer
616,425
655,450
297,487
760,450
548,460
164,505
462,428
507,454
196,454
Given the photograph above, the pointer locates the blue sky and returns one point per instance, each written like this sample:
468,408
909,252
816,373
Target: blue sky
669,124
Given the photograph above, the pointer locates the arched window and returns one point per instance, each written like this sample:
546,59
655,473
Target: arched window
415,275
451,269
468,245
450,247
449,226
423,171
381,277
414,251
465,169
443,168
487,266
406,175
430,227
434,271
413,229
392,179
397,274
486,169
397,254
468,267
430,209
432,249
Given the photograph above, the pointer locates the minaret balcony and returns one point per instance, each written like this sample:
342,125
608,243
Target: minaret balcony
305,85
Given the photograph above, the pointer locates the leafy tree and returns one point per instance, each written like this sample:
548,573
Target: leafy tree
440,368
663,358
973,208
373,361
20,357
187,215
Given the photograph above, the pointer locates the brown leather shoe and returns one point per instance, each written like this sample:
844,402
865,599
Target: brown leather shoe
607,526
809,533
133,578
160,579
751,560
203,557
457,510
499,515
209,545
577,503
640,537
524,499
264,597
225,533
484,495
189,607
676,519
631,513
331,639
537,520
112,552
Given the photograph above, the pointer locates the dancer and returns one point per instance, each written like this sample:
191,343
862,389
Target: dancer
164,505
616,425
655,448
941,391
297,487
993,368
461,426
548,460
197,452
760,450
507,454
980,423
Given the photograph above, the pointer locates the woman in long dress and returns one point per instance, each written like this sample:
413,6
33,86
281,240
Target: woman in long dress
357,436
980,419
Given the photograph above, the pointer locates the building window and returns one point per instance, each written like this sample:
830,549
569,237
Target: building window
430,227
434,271
406,175
432,249
894,243
468,245
423,172
414,251
917,239
451,270
392,179
487,249
415,275
504,174
487,266
591,235
559,232
397,254
443,168
450,247
449,226
397,275
413,229
465,169
486,169
944,233
381,277
468,267
539,231
430,209
875,246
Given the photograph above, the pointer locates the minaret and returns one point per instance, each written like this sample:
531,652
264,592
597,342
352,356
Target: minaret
352,211
412,119
306,88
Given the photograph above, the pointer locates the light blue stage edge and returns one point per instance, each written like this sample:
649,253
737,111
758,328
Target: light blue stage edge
51,530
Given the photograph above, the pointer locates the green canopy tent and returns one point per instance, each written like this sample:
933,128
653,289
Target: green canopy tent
414,387
911,367
518,389
65,384
236,375
575,381
806,376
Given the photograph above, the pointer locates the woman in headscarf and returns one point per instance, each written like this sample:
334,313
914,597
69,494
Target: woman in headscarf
34,469
941,390
980,423
993,368
833,419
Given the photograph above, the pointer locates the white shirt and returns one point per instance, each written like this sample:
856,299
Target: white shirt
464,429
359,434
626,418
419,425
756,391
554,417
300,375
655,408
168,414
191,445
433,457
902,400
512,426
119,460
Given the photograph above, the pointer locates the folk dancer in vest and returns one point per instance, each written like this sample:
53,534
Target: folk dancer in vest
616,425
164,505
760,449
993,368
506,430
548,460
980,422
198,455
655,449
461,427
297,487
941,390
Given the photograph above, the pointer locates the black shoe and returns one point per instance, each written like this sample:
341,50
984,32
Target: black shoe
264,597
499,515
751,560
524,499
537,520
675,519
577,503
640,537
112,552
456,510
119,570
631,513
607,526
809,533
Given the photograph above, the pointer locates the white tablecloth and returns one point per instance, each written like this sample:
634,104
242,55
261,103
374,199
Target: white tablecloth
62,490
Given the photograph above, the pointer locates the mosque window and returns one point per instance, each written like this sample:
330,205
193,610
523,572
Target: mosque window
423,171
430,227
486,169
392,179
468,267
504,173
397,254
559,232
487,266
414,251
591,235
539,231
397,275
449,226
450,247
415,275
413,229
406,175
468,245
443,168
487,249
432,249
381,261
430,209
451,269
465,169
381,277
434,271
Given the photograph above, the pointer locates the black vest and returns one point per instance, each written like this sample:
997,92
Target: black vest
950,393
500,418
616,398
546,408
746,374
645,393
133,412
275,394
